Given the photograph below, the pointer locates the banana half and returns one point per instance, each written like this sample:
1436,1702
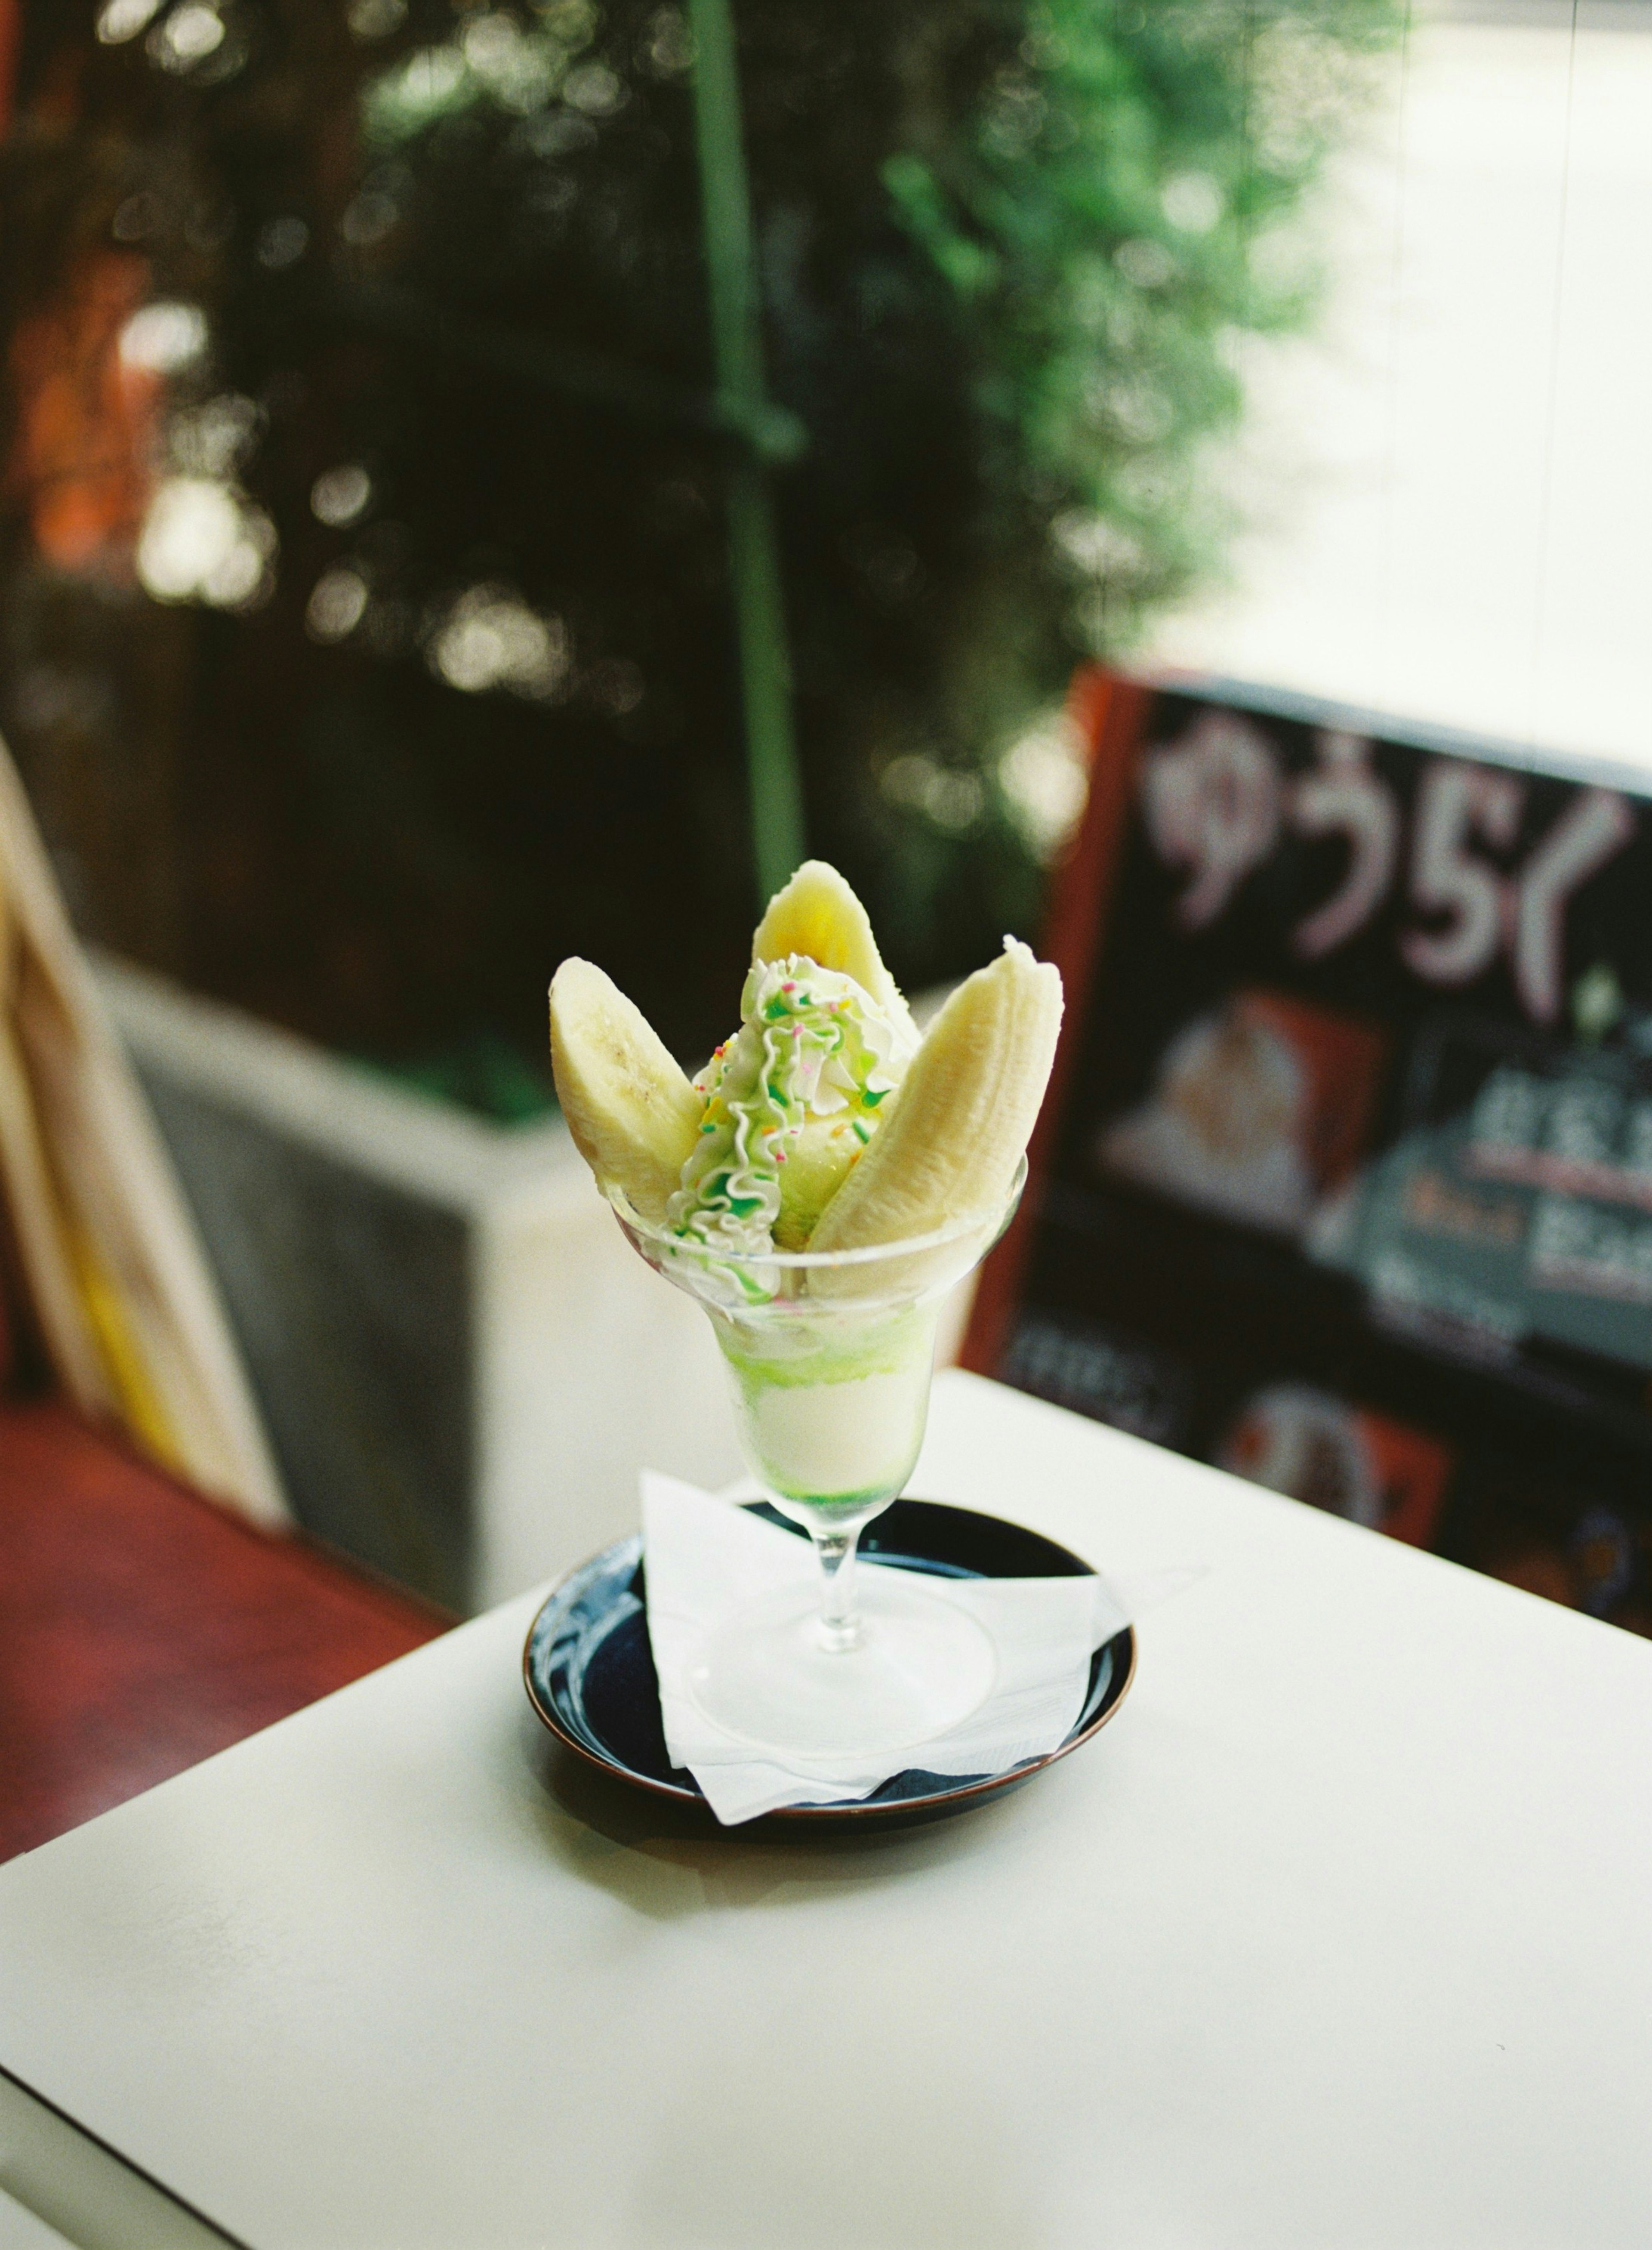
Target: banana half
633,1114
818,915
961,1121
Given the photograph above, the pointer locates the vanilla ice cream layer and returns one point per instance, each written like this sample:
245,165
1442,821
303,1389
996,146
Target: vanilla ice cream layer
834,1425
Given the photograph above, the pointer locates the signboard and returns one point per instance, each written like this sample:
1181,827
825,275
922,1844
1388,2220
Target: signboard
1345,1178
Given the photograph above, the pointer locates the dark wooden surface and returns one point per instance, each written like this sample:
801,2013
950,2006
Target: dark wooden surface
142,1628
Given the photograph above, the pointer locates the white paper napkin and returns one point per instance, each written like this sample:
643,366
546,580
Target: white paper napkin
706,1558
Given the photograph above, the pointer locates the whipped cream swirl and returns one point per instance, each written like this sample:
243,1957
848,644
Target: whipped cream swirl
812,1043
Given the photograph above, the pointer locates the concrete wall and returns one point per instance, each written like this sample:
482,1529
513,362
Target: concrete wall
461,1363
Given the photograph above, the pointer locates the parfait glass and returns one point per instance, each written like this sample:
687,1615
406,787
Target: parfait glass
830,1356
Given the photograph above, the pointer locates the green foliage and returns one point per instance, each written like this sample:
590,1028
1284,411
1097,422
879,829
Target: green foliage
1108,220
1008,249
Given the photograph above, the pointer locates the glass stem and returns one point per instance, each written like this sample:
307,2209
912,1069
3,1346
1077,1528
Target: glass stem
839,1620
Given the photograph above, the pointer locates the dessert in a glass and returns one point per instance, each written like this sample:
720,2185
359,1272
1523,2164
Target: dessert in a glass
820,1189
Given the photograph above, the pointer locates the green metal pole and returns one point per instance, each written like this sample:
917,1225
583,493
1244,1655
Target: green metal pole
753,553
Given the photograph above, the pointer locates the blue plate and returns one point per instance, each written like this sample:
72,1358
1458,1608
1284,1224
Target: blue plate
590,1675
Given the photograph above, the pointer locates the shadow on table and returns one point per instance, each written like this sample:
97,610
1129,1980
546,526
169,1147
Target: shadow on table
642,1848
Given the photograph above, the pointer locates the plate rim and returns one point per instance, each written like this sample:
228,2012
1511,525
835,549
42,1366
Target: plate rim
847,1808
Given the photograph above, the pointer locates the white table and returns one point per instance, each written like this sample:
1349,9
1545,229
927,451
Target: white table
1339,1935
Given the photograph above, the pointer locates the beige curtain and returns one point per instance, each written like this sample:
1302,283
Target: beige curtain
116,1279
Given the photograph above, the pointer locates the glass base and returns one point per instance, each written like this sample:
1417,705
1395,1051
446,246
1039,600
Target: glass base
922,1664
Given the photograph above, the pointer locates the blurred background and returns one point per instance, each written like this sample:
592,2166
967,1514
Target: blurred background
369,640
457,513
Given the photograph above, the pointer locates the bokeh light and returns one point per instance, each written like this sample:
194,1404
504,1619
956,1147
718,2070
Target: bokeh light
201,541
338,496
164,337
488,637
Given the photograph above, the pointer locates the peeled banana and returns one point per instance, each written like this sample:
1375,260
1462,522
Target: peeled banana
961,1121
818,915
634,1116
